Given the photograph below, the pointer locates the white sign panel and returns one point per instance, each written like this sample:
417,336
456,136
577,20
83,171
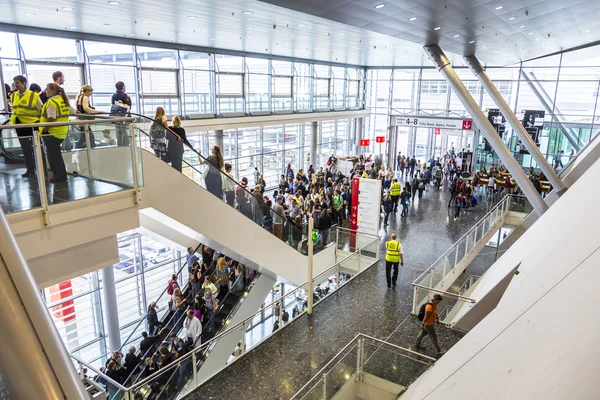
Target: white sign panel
431,122
369,205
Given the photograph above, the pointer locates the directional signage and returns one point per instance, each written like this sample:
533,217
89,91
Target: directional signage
365,142
432,122
380,139
436,131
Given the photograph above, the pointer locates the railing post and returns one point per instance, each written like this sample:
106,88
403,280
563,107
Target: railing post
337,271
337,242
362,358
325,386
88,149
466,245
195,369
358,252
358,363
310,266
455,257
81,373
243,341
136,183
414,308
377,250
41,175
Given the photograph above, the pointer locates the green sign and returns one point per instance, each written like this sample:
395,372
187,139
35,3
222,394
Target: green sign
315,235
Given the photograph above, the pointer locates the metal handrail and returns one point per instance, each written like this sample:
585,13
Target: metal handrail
357,231
104,376
456,296
474,227
97,120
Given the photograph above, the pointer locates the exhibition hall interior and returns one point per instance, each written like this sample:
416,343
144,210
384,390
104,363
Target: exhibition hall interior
275,199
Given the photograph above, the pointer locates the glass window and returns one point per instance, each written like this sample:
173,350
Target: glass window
42,75
282,86
157,58
194,60
50,48
109,53
249,141
257,65
104,77
272,138
9,45
281,67
258,92
303,86
197,91
159,82
230,84
229,63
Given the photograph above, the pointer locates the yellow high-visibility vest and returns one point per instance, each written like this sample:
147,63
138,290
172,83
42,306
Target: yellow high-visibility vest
24,107
393,251
395,189
62,115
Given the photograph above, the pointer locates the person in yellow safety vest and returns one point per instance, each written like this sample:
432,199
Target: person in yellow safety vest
395,190
26,108
56,109
393,256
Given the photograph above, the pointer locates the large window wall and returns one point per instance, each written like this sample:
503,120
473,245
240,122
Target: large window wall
141,277
564,86
183,82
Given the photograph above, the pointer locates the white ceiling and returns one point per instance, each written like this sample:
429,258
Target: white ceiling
341,31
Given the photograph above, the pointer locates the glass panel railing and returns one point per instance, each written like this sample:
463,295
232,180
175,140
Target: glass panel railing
85,163
443,272
184,371
365,356
249,201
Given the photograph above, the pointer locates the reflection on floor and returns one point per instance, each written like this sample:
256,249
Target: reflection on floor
286,361
19,194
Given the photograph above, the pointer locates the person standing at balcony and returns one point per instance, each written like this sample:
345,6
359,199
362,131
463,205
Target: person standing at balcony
214,183
175,145
430,318
56,109
121,106
57,77
393,257
26,109
84,107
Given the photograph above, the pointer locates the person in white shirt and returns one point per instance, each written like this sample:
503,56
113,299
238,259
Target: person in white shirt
193,328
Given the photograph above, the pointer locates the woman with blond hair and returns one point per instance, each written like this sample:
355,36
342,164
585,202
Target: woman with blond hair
175,147
84,107
159,133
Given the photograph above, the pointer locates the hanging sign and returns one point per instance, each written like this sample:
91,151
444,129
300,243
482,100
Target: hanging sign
365,142
431,122
436,131
366,208
380,139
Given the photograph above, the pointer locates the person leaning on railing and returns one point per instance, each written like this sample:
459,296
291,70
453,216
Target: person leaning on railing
56,109
215,163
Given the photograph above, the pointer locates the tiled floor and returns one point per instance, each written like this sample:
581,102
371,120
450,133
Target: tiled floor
285,362
19,194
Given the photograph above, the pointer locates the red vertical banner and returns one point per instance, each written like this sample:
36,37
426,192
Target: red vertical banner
65,311
354,211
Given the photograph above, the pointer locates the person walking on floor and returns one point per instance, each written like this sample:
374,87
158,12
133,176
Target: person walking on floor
393,256
429,319
395,194
388,207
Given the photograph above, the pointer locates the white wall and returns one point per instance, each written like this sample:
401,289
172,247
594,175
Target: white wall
539,343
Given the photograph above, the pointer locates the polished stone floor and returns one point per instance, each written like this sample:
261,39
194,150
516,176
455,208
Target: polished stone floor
19,194
285,362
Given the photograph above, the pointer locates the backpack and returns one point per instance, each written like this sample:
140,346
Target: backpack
421,185
170,288
421,315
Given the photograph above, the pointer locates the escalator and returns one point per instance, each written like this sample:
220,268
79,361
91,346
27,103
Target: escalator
243,232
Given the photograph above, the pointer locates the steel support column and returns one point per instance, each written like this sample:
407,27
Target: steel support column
514,122
359,135
437,56
219,140
111,310
314,135
34,362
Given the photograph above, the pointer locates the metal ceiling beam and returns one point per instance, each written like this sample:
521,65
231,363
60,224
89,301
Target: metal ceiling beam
439,59
549,110
514,122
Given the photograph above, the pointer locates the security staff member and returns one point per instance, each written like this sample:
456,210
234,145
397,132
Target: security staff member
26,108
393,256
56,109
395,193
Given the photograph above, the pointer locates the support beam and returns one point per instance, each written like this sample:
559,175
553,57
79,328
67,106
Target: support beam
514,122
34,362
437,56
359,134
549,110
219,140
314,135
111,310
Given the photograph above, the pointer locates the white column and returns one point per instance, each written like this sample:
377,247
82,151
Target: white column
219,139
111,310
314,135
437,56
359,134
34,362
514,122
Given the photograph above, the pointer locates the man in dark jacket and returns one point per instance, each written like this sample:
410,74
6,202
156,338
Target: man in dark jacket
146,343
152,318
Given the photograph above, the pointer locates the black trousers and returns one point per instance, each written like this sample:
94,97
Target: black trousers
27,146
388,269
395,202
57,164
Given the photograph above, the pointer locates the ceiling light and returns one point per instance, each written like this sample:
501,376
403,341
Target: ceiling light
456,35
437,28
472,41
247,12
71,27
484,47
341,34
213,39
250,27
530,33
286,43
131,35
114,3
249,38
537,38
589,36
167,33
192,17
380,5
587,30
412,19
146,21
494,51
301,25
30,13
106,24
292,35
512,18
204,30
68,8
498,8
522,26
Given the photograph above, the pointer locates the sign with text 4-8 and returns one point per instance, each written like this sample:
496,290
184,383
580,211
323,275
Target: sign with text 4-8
432,122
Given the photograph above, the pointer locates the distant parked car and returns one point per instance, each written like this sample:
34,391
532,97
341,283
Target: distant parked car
157,255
